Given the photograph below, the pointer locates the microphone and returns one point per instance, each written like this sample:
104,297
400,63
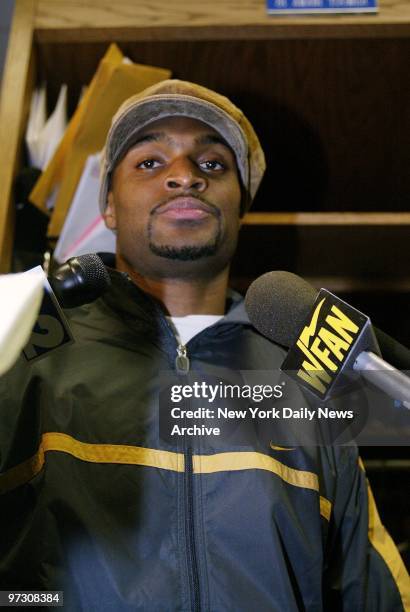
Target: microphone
329,340
31,317
80,280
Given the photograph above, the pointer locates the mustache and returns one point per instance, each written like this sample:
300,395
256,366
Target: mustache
162,203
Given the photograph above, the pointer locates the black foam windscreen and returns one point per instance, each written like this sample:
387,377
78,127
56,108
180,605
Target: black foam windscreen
94,271
278,303
80,280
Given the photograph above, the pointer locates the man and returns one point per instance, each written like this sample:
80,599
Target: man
96,502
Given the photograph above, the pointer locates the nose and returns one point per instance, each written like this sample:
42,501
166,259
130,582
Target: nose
186,175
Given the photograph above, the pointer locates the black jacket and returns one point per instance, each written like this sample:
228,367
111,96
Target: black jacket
96,504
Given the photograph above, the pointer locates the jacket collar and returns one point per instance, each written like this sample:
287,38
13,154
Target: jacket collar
128,300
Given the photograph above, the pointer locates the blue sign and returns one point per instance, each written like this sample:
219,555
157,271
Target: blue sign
280,7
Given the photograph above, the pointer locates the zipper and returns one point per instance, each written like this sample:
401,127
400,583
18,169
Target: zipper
190,532
182,365
182,360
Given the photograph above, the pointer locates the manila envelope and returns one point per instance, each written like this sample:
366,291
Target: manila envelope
115,81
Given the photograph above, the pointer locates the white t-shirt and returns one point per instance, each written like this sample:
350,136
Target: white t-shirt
187,327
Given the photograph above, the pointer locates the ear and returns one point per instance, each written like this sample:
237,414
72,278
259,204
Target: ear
109,213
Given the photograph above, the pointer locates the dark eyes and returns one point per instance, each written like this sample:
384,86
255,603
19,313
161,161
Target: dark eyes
148,164
207,165
211,165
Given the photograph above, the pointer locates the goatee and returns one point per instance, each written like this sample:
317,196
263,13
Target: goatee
184,253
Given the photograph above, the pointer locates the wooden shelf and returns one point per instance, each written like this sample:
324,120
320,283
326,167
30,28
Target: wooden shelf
377,254
345,285
67,20
328,96
334,219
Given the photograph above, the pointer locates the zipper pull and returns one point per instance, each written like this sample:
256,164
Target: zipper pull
182,360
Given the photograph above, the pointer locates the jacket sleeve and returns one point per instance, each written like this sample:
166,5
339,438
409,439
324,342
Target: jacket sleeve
365,572
19,427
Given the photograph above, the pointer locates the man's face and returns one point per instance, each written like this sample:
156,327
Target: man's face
175,201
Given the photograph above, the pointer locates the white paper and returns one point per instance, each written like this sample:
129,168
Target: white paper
36,121
20,300
84,230
43,135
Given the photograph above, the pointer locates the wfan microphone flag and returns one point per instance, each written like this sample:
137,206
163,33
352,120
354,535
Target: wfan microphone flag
324,353
51,330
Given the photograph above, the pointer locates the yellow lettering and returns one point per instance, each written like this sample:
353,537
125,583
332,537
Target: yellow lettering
314,377
310,330
341,323
322,354
313,373
335,344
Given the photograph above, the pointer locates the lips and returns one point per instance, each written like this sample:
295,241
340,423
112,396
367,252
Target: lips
185,208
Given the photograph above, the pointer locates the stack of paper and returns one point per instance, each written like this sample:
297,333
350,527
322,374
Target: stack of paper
43,135
116,80
84,230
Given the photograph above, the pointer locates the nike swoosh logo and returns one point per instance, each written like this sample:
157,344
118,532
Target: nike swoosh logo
280,448
310,329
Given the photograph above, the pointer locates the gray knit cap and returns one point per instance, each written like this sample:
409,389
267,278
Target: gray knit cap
173,98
